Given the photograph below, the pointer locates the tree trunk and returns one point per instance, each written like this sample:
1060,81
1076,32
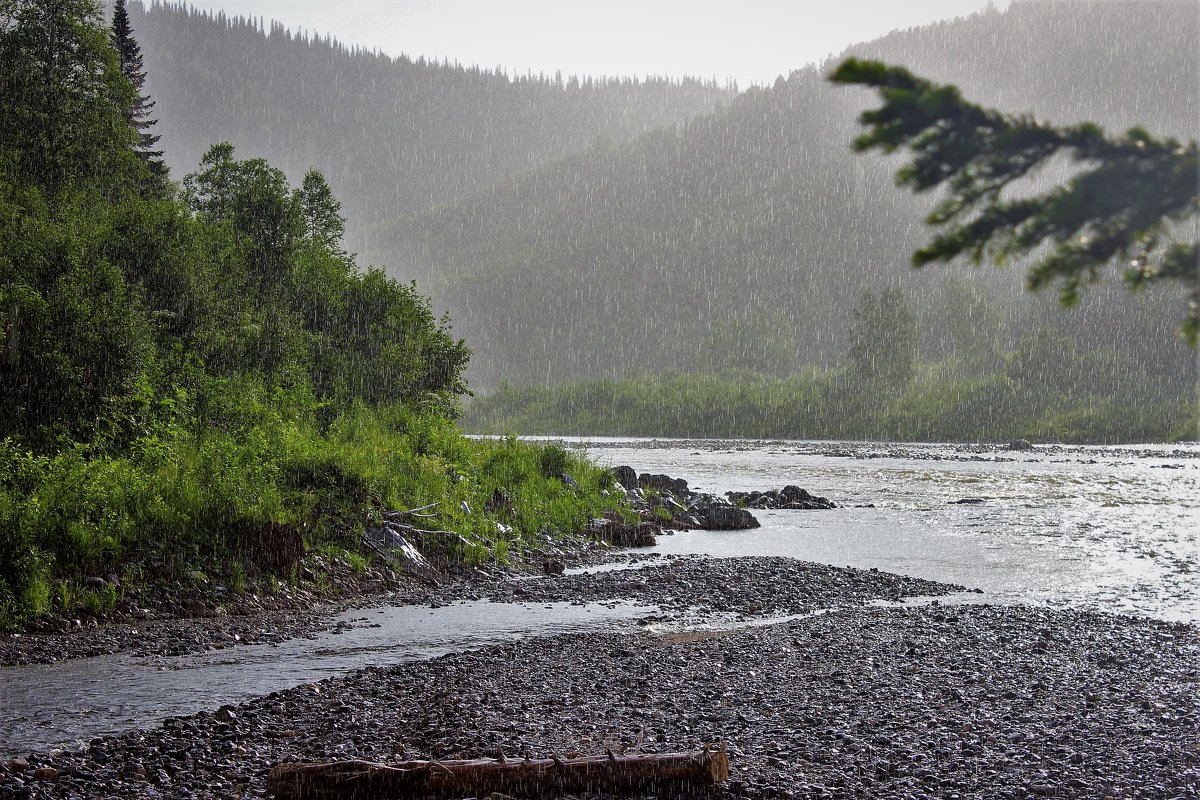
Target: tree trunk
419,779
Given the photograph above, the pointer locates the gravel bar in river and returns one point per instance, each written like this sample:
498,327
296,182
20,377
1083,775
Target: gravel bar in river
934,701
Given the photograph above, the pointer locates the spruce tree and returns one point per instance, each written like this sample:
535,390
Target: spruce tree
129,55
1133,202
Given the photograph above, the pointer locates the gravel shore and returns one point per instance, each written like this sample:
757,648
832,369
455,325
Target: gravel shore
850,700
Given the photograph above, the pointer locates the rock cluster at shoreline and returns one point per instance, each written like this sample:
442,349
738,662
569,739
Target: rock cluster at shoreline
669,503
927,702
791,498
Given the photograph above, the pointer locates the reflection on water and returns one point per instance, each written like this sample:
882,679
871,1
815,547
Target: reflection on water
1105,528
63,704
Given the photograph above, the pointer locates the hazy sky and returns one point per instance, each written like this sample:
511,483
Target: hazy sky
751,41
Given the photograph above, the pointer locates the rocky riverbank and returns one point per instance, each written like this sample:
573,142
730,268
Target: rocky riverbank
814,682
932,701
174,620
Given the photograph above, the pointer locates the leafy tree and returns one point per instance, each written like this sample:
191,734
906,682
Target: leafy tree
75,339
129,58
251,199
63,99
883,341
976,330
320,212
1133,202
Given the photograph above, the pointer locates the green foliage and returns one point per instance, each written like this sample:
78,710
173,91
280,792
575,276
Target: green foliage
178,375
1044,390
137,115
63,100
251,198
883,343
75,337
184,496
320,212
1133,204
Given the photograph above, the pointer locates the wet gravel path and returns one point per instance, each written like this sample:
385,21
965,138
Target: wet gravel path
849,701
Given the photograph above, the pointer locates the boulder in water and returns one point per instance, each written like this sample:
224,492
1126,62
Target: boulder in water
728,518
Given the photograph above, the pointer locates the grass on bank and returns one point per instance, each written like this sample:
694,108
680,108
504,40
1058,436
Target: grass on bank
181,501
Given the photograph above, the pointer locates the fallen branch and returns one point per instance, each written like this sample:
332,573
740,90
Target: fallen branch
341,780
394,516
397,551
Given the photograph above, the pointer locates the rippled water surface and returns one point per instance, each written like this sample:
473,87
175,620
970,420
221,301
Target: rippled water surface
1102,528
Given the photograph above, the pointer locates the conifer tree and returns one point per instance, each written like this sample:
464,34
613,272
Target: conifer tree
1133,202
129,56
62,99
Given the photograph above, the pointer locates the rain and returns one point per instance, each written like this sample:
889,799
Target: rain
670,400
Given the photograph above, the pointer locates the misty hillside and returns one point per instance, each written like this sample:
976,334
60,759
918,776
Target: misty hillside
624,257
392,135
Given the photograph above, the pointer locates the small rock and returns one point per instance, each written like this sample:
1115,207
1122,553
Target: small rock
45,774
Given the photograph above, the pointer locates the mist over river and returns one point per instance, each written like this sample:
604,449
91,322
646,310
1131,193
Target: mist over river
1100,528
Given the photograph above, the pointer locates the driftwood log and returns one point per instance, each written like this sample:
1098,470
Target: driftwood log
366,780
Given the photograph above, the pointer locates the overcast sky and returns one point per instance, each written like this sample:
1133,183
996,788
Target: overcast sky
751,41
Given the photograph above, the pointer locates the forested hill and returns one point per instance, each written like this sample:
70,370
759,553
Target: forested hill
744,237
392,135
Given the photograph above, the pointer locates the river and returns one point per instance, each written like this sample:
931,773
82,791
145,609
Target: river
1099,528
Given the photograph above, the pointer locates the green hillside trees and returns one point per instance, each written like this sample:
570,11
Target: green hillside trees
183,372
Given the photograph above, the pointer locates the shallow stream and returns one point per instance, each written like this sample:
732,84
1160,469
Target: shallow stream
65,704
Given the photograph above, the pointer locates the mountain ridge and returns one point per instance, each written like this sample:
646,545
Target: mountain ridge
760,206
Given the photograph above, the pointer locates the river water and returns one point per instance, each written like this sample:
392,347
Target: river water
1114,529
1099,528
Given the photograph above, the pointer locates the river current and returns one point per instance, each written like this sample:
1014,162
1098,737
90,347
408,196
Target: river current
1099,528
1113,529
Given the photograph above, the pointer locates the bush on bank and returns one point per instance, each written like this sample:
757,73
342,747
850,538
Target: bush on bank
177,501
